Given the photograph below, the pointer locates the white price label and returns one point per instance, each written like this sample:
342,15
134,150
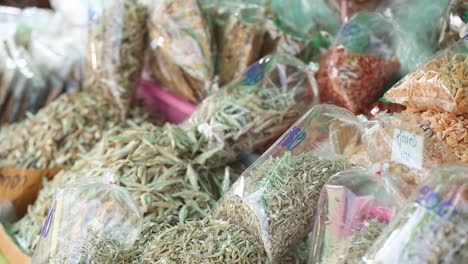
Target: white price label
408,149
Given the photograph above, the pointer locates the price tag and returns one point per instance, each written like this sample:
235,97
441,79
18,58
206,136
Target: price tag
408,149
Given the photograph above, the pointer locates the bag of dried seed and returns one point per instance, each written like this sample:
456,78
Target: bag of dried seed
405,145
181,55
440,84
239,34
88,215
359,64
354,206
116,44
433,227
453,25
275,199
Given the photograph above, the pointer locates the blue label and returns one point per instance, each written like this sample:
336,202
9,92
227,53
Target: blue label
47,223
93,18
432,201
253,75
465,37
293,139
350,29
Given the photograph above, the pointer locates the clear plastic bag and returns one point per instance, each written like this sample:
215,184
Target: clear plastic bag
354,207
415,22
405,145
347,8
181,47
117,34
359,64
433,227
453,24
440,84
275,199
89,216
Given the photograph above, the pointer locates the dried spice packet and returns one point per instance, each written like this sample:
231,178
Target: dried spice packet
181,43
441,84
116,44
359,64
433,227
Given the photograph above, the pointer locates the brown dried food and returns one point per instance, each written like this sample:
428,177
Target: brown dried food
441,84
182,58
353,80
450,128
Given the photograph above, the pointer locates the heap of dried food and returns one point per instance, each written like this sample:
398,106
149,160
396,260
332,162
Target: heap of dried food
276,200
182,56
165,168
450,128
116,45
205,241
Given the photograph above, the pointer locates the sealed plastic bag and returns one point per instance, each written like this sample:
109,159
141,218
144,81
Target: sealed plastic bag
359,64
406,145
433,227
275,199
416,28
116,45
453,25
354,207
440,84
347,8
181,43
88,217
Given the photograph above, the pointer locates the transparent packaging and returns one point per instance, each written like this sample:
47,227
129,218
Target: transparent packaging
433,227
275,199
88,216
182,56
359,64
117,34
440,84
406,146
354,207
347,8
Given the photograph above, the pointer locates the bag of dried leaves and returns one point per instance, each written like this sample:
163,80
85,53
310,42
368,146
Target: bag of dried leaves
275,199
354,207
440,84
433,226
405,145
359,64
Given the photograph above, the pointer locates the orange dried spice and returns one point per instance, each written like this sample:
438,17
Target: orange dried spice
352,80
450,128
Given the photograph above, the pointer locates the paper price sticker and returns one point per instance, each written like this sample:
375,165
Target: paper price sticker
408,149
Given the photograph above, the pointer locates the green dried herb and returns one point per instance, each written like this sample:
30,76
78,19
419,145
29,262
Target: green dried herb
279,199
362,240
206,241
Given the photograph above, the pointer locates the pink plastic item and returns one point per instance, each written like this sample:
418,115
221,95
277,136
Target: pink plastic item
173,108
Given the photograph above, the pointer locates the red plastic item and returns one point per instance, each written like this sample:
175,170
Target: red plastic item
173,108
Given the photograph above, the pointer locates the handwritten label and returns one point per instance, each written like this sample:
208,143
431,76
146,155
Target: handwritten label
426,128
47,223
432,201
408,149
253,75
293,138
350,29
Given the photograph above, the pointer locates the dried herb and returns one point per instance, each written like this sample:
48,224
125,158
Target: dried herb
352,80
205,241
441,84
165,169
182,56
278,200
116,44
362,240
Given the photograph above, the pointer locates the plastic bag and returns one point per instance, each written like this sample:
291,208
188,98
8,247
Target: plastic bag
347,8
354,207
239,32
449,128
275,199
359,64
453,26
433,227
88,217
406,146
181,43
440,84
116,44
